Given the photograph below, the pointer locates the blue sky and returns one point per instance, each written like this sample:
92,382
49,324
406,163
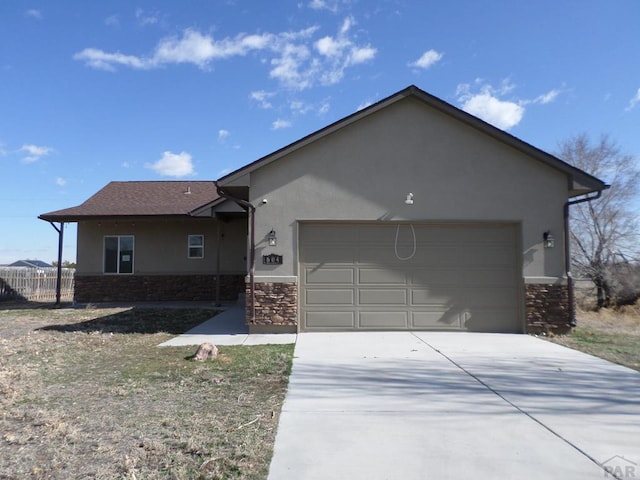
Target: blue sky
94,91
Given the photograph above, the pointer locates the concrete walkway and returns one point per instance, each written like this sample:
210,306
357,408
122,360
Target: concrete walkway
227,328
403,405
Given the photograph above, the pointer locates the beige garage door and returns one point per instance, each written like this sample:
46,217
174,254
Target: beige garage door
388,276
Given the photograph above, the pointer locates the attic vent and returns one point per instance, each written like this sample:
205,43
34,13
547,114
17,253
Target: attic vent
187,191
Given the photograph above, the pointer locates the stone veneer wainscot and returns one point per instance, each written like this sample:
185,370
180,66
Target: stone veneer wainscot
149,288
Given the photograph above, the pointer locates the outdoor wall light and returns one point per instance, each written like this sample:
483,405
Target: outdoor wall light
409,199
548,240
272,239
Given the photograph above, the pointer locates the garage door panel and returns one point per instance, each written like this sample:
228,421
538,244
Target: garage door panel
383,320
330,320
461,277
433,296
319,254
324,296
383,255
436,319
437,276
368,276
382,297
477,296
436,257
329,275
373,234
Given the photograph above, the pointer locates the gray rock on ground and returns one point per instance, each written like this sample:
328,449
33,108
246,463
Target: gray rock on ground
206,351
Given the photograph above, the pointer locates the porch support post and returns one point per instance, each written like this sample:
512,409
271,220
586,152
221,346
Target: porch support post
59,273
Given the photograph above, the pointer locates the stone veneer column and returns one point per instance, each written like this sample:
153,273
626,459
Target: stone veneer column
547,308
276,307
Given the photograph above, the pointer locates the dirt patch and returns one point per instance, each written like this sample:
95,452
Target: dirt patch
88,394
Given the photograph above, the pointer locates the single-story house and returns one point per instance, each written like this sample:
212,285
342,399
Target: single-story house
30,264
408,214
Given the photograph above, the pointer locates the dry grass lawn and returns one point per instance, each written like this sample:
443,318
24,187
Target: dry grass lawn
86,393
612,334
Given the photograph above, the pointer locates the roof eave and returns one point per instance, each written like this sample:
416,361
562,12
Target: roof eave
82,218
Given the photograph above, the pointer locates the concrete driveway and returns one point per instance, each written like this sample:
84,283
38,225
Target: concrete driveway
410,405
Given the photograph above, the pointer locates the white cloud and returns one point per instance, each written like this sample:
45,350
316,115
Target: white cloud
543,99
330,47
487,105
173,165
34,152
296,59
145,19
193,47
61,182
364,105
280,124
125,165
634,101
488,102
112,21
503,114
341,52
34,13
361,55
299,107
262,98
323,108
323,5
548,97
288,68
223,134
199,49
107,61
427,59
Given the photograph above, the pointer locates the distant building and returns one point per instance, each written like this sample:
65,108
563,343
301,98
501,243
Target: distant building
31,264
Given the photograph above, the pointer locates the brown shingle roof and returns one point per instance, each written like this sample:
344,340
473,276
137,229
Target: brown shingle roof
148,198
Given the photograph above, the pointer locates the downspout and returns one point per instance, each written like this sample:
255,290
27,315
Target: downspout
252,246
567,254
59,272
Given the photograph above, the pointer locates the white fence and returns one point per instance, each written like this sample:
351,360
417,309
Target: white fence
35,284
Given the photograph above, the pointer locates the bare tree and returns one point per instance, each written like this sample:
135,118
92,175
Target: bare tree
604,232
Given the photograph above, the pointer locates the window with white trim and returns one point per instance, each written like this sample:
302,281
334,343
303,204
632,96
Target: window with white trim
195,245
118,254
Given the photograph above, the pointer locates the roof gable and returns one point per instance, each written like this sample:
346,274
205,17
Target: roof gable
580,182
140,198
30,264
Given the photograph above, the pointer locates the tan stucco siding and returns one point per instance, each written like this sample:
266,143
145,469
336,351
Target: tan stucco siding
365,170
161,245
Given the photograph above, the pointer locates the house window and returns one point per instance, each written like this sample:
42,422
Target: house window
118,254
196,246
